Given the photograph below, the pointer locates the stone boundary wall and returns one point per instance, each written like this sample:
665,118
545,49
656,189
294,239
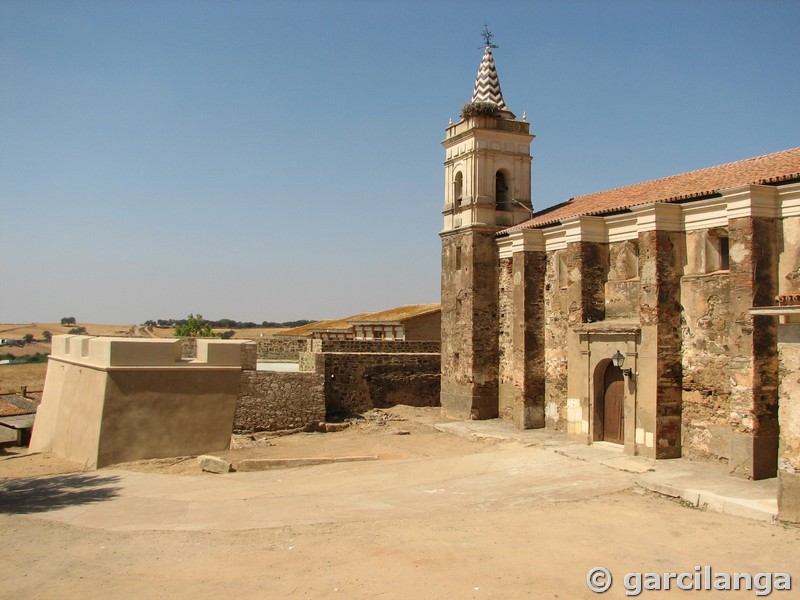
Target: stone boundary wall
188,347
356,382
313,362
348,376
270,401
281,349
386,347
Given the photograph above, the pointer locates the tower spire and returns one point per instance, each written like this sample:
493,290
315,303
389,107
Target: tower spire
487,83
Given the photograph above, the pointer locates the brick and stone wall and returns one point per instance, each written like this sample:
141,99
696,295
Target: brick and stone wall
660,269
270,401
281,349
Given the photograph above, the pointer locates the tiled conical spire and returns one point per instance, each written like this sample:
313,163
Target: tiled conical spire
487,84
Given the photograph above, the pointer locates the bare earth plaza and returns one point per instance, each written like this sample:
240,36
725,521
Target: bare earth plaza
605,402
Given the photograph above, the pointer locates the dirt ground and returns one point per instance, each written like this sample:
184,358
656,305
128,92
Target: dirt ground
482,546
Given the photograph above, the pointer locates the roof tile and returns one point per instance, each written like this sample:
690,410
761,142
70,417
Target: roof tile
766,169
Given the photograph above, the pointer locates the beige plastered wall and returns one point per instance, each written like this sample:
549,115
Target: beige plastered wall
111,400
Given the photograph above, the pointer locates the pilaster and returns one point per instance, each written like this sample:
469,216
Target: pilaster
521,376
754,364
659,360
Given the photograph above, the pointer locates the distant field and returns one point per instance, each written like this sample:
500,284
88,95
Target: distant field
36,330
12,377
32,375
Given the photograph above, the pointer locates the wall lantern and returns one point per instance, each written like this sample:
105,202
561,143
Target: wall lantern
618,360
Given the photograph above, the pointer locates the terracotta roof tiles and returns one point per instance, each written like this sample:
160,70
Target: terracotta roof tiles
760,170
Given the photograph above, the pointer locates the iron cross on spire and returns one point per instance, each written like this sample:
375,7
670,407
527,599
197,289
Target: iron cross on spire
487,36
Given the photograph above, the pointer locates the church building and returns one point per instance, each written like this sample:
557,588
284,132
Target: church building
628,316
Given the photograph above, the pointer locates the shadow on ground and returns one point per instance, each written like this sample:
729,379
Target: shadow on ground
24,496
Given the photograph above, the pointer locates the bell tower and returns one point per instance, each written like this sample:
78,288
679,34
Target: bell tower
487,188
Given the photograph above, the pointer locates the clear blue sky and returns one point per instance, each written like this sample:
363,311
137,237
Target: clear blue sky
282,160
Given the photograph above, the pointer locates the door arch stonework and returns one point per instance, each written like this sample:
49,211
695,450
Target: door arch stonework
589,363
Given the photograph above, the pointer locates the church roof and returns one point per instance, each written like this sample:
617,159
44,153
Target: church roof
487,83
760,170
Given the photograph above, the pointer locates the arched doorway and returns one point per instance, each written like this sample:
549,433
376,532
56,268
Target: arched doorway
611,406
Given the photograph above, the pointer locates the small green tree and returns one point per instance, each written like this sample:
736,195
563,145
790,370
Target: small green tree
68,321
47,336
195,327
27,338
78,330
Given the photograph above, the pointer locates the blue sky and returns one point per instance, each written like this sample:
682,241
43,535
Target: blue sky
282,160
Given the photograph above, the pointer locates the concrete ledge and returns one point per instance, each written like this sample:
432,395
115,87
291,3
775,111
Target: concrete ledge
761,509
265,464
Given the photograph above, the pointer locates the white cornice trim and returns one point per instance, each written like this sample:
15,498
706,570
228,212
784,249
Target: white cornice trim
751,201
658,216
585,229
524,240
789,196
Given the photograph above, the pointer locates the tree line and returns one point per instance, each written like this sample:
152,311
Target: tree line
226,323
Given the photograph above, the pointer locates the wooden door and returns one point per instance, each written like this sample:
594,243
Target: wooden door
613,405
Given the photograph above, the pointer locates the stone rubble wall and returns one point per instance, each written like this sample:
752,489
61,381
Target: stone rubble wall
388,347
355,377
357,382
188,347
270,401
706,356
281,349
556,310
506,320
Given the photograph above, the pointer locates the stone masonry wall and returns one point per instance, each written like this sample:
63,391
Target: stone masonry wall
469,325
556,310
270,401
521,336
506,319
188,347
789,456
706,356
281,349
754,363
357,382
389,347
660,270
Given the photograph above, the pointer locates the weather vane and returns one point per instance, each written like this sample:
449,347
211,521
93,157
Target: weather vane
487,36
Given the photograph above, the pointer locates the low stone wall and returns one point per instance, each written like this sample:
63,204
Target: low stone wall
313,362
188,347
269,401
337,376
281,349
388,347
357,382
